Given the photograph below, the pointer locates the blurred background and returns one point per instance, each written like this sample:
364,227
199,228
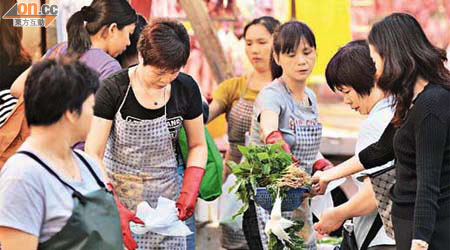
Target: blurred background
334,22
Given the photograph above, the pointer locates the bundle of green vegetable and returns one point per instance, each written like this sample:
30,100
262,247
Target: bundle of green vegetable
271,167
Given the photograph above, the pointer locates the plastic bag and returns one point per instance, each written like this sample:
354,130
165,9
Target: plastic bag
161,220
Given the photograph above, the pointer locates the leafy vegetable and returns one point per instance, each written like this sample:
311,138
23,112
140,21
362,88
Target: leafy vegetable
297,242
271,167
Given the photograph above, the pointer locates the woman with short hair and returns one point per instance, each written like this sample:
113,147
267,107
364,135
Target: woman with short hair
412,69
52,197
138,115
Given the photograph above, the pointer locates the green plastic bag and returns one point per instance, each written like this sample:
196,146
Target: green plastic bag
211,187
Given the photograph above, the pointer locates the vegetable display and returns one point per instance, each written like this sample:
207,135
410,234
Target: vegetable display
270,167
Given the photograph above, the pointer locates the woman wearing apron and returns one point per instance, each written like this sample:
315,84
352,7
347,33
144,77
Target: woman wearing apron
96,34
137,117
50,196
413,70
286,111
236,96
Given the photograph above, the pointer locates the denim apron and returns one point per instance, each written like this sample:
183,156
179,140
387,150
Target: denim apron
94,223
305,149
141,163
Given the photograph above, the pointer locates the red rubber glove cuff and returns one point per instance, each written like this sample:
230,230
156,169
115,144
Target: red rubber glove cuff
275,137
189,192
125,217
322,164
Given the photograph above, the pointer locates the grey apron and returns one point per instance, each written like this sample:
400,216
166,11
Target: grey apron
141,163
239,121
95,221
305,149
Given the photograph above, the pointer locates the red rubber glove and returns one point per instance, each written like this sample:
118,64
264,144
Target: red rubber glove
189,192
322,165
275,137
125,217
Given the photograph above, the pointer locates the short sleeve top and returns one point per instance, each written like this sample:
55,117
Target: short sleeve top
229,91
277,98
33,201
96,59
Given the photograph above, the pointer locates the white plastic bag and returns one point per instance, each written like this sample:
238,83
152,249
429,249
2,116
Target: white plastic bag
161,220
321,202
229,205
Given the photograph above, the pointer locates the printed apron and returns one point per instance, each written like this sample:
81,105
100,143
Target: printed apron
307,142
141,163
239,121
95,221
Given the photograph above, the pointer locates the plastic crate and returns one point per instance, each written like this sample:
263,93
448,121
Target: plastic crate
292,200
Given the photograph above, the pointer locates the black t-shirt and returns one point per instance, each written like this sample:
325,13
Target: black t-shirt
421,147
185,102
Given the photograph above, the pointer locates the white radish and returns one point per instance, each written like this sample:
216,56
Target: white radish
278,224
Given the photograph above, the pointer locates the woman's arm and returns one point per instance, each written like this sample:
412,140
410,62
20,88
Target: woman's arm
198,150
19,84
96,141
377,154
196,164
215,109
361,204
13,239
322,178
431,138
380,152
268,123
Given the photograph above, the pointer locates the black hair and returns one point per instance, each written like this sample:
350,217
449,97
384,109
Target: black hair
131,50
164,43
407,54
353,67
99,14
286,39
55,86
268,22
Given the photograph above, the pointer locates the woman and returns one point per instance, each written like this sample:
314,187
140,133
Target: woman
137,118
235,98
412,69
50,196
351,72
14,59
286,111
96,33
129,57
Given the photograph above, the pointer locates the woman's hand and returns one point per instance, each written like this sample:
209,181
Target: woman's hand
419,245
320,182
330,220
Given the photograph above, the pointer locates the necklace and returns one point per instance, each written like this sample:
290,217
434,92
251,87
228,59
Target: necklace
155,103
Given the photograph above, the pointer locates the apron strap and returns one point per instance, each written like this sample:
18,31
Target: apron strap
97,179
75,192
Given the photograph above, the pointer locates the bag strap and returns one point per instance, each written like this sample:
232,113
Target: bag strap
75,192
381,172
377,224
85,162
